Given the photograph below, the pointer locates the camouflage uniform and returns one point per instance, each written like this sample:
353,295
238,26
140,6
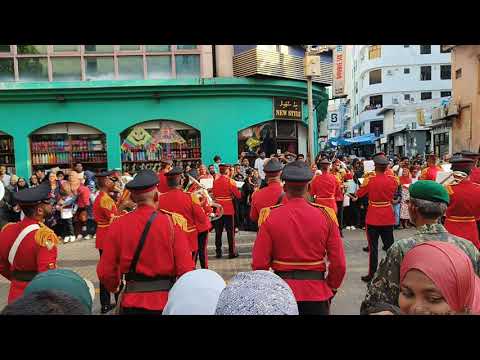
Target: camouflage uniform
385,285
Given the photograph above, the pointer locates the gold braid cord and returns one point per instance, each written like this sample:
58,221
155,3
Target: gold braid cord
46,237
177,219
264,213
328,211
6,225
195,199
107,202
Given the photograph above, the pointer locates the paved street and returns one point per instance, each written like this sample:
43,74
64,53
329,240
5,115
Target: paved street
82,257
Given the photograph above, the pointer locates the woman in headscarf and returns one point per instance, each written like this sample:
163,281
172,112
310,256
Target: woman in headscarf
195,293
437,278
405,181
257,293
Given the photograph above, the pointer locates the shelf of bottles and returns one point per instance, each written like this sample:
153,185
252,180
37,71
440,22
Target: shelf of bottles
7,157
140,158
62,150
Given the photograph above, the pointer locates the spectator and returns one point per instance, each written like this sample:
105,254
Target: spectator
66,206
22,184
203,172
405,181
60,176
15,212
245,164
83,201
437,278
257,293
237,174
46,302
301,157
216,161
195,293
248,188
4,177
211,170
259,164
53,221
34,181
79,169
40,175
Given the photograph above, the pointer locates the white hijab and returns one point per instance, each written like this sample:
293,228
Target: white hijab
195,293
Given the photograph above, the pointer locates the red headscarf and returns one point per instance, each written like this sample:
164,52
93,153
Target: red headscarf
406,177
450,269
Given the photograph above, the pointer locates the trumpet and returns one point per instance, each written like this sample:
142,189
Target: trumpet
203,193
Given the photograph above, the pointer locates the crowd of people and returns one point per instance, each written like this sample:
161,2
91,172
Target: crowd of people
152,229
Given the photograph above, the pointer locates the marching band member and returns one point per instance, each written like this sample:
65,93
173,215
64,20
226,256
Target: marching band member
325,187
430,172
165,167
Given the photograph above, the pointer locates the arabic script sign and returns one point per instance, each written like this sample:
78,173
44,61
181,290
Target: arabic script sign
287,108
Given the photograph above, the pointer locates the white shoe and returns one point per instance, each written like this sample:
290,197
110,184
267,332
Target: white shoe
348,228
66,239
88,237
352,228
79,237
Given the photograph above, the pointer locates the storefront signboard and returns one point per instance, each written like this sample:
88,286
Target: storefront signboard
287,108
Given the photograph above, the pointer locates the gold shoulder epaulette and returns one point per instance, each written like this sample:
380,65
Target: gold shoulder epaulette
195,198
46,237
397,179
449,189
6,225
177,219
265,212
328,211
106,202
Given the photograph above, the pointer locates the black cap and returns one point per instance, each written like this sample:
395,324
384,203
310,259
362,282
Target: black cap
33,195
297,172
470,154
324,162
144,180
461,163
273,166
166,161
104,174
177,170
381,160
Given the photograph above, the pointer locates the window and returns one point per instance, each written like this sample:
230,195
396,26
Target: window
449,50
406,70
425,49
458,74
441,143
375,77
101,68
395,100
406,97
33,69
130,67
406,46
445,72
66,69
159,67
445,93
376,102
6,70
426,95
425,73
374,52
4,48
191,47
89,49
129,47
187,66
157,48
65,48
32,49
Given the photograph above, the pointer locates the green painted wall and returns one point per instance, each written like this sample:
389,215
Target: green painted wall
219,108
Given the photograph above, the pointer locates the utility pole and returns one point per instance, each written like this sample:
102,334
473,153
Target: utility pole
311,146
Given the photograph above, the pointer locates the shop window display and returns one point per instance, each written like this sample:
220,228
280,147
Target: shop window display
7,157
144,145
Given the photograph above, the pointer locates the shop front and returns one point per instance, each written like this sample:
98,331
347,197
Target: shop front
7,155
131,124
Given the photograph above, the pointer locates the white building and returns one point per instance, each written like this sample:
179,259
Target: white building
395,76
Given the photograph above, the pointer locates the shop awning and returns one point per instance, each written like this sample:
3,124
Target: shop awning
367,139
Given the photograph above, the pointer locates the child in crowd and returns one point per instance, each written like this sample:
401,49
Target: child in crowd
66,205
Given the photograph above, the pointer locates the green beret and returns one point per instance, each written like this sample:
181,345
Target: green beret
429,190
63,280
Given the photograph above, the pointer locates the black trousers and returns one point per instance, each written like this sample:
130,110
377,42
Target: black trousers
139,311
313,307
236,217
340,214
104,293
66,226
373,233
202,250
351,214
226,221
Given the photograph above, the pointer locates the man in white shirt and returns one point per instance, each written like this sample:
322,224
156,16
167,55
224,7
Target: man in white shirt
259,163
3,176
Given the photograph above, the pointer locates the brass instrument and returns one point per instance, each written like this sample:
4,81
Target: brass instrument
203,193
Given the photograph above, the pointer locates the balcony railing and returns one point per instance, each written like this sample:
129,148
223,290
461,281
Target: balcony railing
268,63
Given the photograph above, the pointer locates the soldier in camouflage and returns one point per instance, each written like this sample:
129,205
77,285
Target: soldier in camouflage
428,202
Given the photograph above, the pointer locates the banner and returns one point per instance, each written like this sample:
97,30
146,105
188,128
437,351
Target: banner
333,120
339,71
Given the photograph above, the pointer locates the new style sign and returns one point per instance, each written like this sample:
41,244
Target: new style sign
287,108
339,71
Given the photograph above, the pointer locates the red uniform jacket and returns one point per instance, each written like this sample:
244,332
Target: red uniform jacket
37,252
430,173
300,236
166,253
464,210
162,182
207,209
325,188
223,190
380,189
268,196
104,212
180,202
475,175
339,193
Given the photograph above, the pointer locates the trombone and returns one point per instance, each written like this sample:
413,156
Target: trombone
202,193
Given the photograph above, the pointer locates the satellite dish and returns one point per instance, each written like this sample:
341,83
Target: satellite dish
2,191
